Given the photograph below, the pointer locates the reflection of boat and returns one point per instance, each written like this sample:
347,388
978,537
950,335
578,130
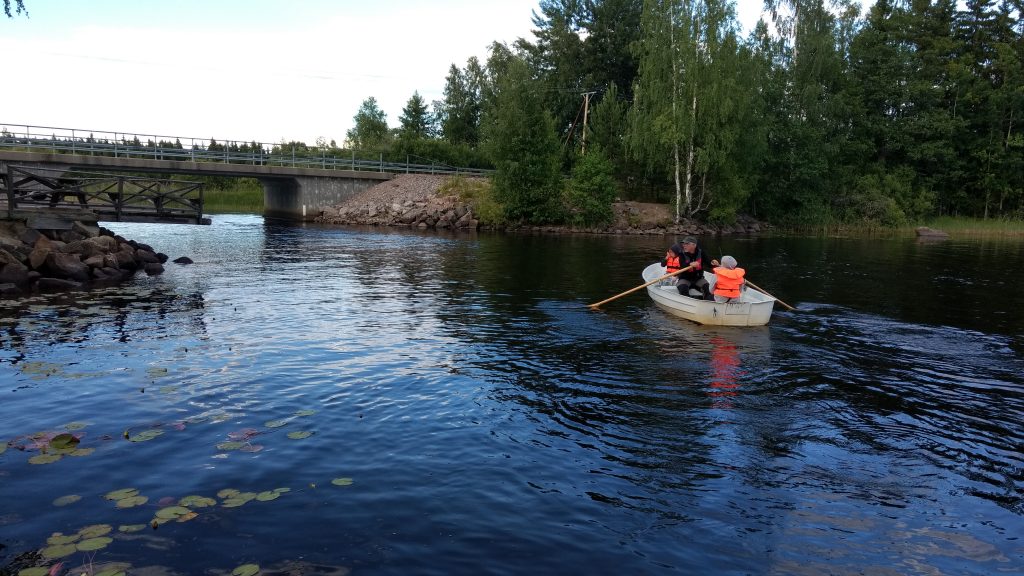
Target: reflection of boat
753,309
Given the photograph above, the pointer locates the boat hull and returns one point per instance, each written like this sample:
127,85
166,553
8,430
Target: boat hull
753,309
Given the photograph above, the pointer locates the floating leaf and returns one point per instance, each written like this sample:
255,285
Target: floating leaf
95,530
342,481
59,551
156,372
122,493
65,500
112,569
37,571
44,458
227,446
64,440
251,448
128,528
132,501
246,570
72,426
268,496
282,490
197,501
172,512
81,452
305,412
275,423
166,501
94,544
3,447
59,539
145,435
187,517
299,435
227,493
244,434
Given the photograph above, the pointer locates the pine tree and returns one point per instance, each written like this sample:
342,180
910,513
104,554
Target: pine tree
416,122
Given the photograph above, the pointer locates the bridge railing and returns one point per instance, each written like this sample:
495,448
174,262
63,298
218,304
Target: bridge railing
77,141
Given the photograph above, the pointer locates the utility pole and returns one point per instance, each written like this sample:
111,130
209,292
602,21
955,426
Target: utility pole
586,110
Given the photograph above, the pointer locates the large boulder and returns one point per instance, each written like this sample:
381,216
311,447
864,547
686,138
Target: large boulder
67,266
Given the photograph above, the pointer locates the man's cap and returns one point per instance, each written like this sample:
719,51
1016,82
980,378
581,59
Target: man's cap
689,240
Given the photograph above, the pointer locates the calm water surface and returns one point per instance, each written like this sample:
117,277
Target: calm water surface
467,414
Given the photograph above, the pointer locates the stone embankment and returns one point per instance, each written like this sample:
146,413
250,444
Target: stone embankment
416,201
86,255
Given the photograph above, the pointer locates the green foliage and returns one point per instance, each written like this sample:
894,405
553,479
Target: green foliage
478,193
459,112
521,141
371,127
233,195
591,191
416,122
19,8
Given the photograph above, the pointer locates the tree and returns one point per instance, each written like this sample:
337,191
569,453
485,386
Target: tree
459,115
19,8
522,143
371,127
416,122
591,191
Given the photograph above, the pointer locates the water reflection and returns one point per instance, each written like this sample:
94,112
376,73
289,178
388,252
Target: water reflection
725,372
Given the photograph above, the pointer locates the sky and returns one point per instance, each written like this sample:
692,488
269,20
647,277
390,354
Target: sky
242,70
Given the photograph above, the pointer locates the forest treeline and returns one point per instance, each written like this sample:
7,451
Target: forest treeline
818,115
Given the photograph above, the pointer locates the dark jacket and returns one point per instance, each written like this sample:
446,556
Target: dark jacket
701,260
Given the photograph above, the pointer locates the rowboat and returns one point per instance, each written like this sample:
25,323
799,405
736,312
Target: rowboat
753,309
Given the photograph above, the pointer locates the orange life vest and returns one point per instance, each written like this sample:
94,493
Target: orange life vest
671,263
729,282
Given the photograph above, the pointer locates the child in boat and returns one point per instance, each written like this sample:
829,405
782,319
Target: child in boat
730,281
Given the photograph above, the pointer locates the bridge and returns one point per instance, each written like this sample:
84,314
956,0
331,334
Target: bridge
298,181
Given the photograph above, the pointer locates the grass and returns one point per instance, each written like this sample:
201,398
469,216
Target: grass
243,195
990,227
477,192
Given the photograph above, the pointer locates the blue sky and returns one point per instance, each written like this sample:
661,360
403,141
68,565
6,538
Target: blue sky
242,69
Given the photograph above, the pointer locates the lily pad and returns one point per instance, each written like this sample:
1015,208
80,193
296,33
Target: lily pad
275,423
246,570
122,493
129,528
305,412
112,569
59,551
44,458
172,512
59,539
156,372
299,435
3,447
228,446
65,500
145,435
64,440
342,481
227,493
81,452
95,531
268,496
94,544
37,571
251,448
132,501
187,517
282,490
72,426
197,501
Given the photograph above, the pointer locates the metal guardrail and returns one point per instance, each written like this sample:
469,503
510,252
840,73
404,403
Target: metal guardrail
27,138
37,190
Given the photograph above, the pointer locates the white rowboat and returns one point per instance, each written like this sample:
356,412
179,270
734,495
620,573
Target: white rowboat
753,309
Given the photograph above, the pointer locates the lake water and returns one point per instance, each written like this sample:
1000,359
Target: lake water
447,404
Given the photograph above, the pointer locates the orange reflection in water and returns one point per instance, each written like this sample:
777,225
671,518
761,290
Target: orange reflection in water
725,368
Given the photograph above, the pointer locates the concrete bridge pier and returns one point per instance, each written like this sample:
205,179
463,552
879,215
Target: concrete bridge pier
304,197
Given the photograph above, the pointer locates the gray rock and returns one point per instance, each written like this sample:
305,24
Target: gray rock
152,269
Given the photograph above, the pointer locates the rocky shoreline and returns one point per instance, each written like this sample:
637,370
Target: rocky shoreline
416,201
33,260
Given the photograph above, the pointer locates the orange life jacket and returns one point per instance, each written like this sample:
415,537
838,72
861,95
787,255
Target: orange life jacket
729,282
672,263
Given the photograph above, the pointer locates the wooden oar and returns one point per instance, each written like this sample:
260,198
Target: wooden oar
755,287
631,290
